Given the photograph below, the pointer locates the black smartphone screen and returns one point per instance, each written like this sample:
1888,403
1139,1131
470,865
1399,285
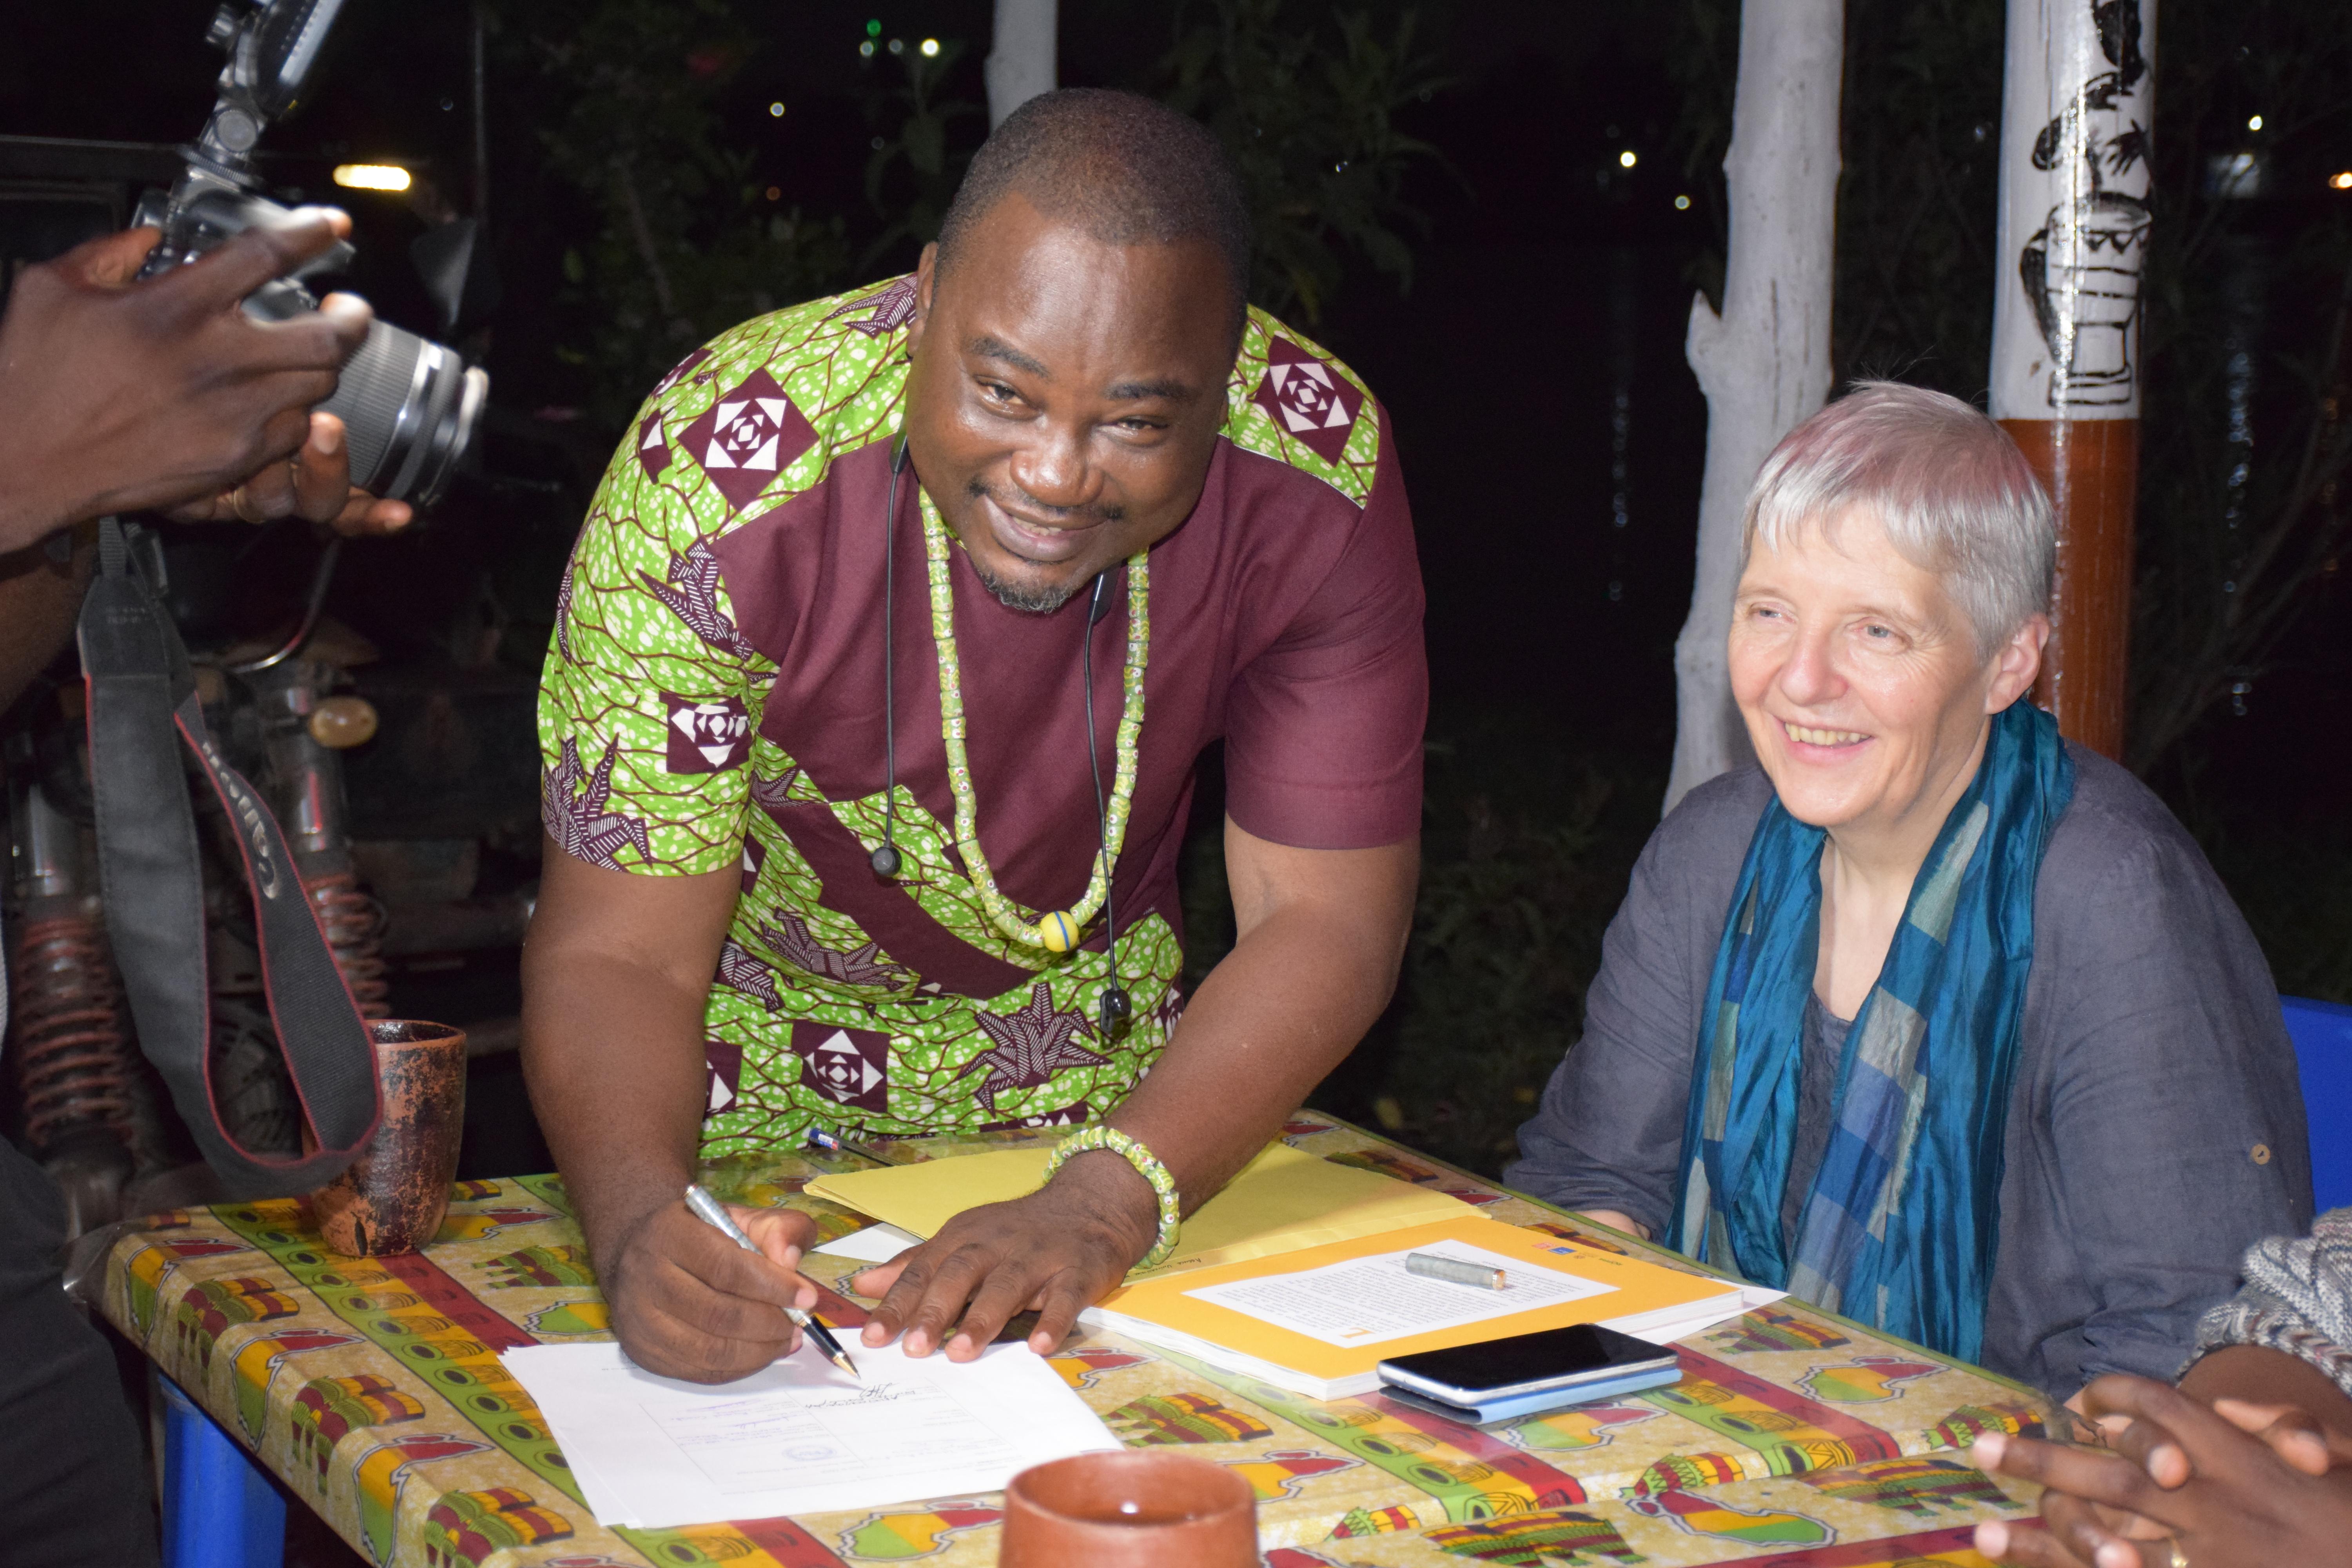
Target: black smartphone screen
1528,1358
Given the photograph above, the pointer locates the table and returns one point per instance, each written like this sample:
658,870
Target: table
373,1388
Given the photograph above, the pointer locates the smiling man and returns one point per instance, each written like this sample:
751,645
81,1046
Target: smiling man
880,675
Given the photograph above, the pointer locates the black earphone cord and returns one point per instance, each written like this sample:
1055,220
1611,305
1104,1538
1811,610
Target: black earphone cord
1116,1006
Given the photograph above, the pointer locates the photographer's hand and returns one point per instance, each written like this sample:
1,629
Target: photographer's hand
315,483
118,394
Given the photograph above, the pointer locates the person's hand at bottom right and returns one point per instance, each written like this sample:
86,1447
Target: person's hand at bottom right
2238,1486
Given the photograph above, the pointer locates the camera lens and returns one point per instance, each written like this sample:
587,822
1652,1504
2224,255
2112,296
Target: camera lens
408,406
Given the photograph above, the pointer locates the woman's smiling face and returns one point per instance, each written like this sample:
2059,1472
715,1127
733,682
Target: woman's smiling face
1859,677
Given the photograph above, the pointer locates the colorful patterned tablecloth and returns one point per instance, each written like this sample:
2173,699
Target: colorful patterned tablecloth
373,1389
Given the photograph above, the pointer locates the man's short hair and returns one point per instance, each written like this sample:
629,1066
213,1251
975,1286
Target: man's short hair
1954,495
1121,168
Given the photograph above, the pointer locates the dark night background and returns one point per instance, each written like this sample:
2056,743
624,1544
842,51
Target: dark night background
1551,431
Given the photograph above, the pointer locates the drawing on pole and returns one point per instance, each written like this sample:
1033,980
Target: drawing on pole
2081,270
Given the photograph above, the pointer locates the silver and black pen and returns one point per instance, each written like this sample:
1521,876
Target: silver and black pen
713,1213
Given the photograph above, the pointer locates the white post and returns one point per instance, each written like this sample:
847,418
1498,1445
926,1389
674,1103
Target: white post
1763,363
1021,60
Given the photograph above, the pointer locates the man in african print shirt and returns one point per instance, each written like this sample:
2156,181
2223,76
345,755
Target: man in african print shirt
1110,466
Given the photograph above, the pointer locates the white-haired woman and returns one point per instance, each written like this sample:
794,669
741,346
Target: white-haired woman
1933,1018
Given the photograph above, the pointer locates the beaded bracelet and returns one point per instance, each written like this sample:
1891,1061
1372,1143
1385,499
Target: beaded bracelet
1147,1166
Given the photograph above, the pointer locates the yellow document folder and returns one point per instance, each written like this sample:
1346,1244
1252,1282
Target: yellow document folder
1169,1312
1281,1201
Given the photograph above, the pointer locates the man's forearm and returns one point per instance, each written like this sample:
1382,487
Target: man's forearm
612,1056
1284,1009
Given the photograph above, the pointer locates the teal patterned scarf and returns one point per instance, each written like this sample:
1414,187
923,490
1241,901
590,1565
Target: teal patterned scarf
1902,1221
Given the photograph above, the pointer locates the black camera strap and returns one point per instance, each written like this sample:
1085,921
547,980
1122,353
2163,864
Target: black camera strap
141,690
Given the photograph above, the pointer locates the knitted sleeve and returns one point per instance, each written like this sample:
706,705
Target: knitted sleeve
2297,1298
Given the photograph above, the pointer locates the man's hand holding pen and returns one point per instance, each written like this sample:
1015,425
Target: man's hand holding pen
690,1304
717,1216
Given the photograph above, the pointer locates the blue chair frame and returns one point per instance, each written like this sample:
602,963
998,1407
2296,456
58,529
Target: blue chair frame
2323,1051
220,1509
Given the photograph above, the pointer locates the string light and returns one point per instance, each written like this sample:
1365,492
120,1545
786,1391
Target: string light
2342,182
371,176
776,111
2254,122
1682,204
1626,160
930,48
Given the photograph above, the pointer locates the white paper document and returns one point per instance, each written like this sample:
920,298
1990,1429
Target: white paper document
875,1244
1369,1300
801,1437
1664,1325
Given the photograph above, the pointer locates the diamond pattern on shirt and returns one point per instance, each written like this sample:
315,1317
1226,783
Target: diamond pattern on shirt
748,437
1312,405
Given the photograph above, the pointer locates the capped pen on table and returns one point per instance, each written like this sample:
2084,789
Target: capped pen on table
839,1143
713,1213
1434,1265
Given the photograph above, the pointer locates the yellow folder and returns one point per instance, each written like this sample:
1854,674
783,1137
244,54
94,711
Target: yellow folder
1281,1201
1168,1312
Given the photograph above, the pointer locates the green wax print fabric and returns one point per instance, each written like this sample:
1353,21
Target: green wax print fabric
712,700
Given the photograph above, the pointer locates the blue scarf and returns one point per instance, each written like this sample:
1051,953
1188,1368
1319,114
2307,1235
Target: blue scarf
1903,1220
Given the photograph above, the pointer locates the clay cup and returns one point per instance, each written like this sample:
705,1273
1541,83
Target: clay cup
392,1196
1129,1510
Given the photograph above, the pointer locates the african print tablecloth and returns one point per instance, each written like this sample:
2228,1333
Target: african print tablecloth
373,1388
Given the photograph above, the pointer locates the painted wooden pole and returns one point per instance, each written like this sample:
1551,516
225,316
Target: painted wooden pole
1763,363
1021,58
2077,108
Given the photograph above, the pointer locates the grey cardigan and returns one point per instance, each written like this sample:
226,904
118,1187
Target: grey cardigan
2154,1128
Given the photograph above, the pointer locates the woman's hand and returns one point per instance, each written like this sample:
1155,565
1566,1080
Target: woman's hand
2239,1483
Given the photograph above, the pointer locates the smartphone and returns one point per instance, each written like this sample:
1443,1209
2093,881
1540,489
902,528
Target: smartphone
1556,1360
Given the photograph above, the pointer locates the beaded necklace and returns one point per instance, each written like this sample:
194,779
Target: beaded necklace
1057,931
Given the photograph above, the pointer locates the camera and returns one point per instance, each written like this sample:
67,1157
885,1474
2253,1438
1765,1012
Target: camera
408,404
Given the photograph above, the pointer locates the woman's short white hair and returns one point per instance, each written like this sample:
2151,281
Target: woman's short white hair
1952,490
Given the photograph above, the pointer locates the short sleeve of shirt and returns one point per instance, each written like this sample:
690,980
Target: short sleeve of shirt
642,714
1323,734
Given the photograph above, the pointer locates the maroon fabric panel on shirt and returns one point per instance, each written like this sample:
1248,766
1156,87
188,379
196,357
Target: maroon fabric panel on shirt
1323,727
936,955
1280,612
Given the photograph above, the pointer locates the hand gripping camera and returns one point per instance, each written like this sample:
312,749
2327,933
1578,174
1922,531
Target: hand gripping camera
408,403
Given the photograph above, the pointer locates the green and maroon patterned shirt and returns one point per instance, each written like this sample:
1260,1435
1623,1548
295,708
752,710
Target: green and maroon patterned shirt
713,698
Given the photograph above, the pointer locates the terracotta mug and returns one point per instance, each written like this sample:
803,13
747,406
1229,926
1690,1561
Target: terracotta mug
392,1196
1132,1510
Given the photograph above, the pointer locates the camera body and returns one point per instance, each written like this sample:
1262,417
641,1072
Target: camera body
408,404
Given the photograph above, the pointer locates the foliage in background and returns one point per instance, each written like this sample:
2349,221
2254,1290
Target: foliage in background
2294,881
1703,63
683,247
2246,436
916,201
1918,200
1304,100
1527,839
